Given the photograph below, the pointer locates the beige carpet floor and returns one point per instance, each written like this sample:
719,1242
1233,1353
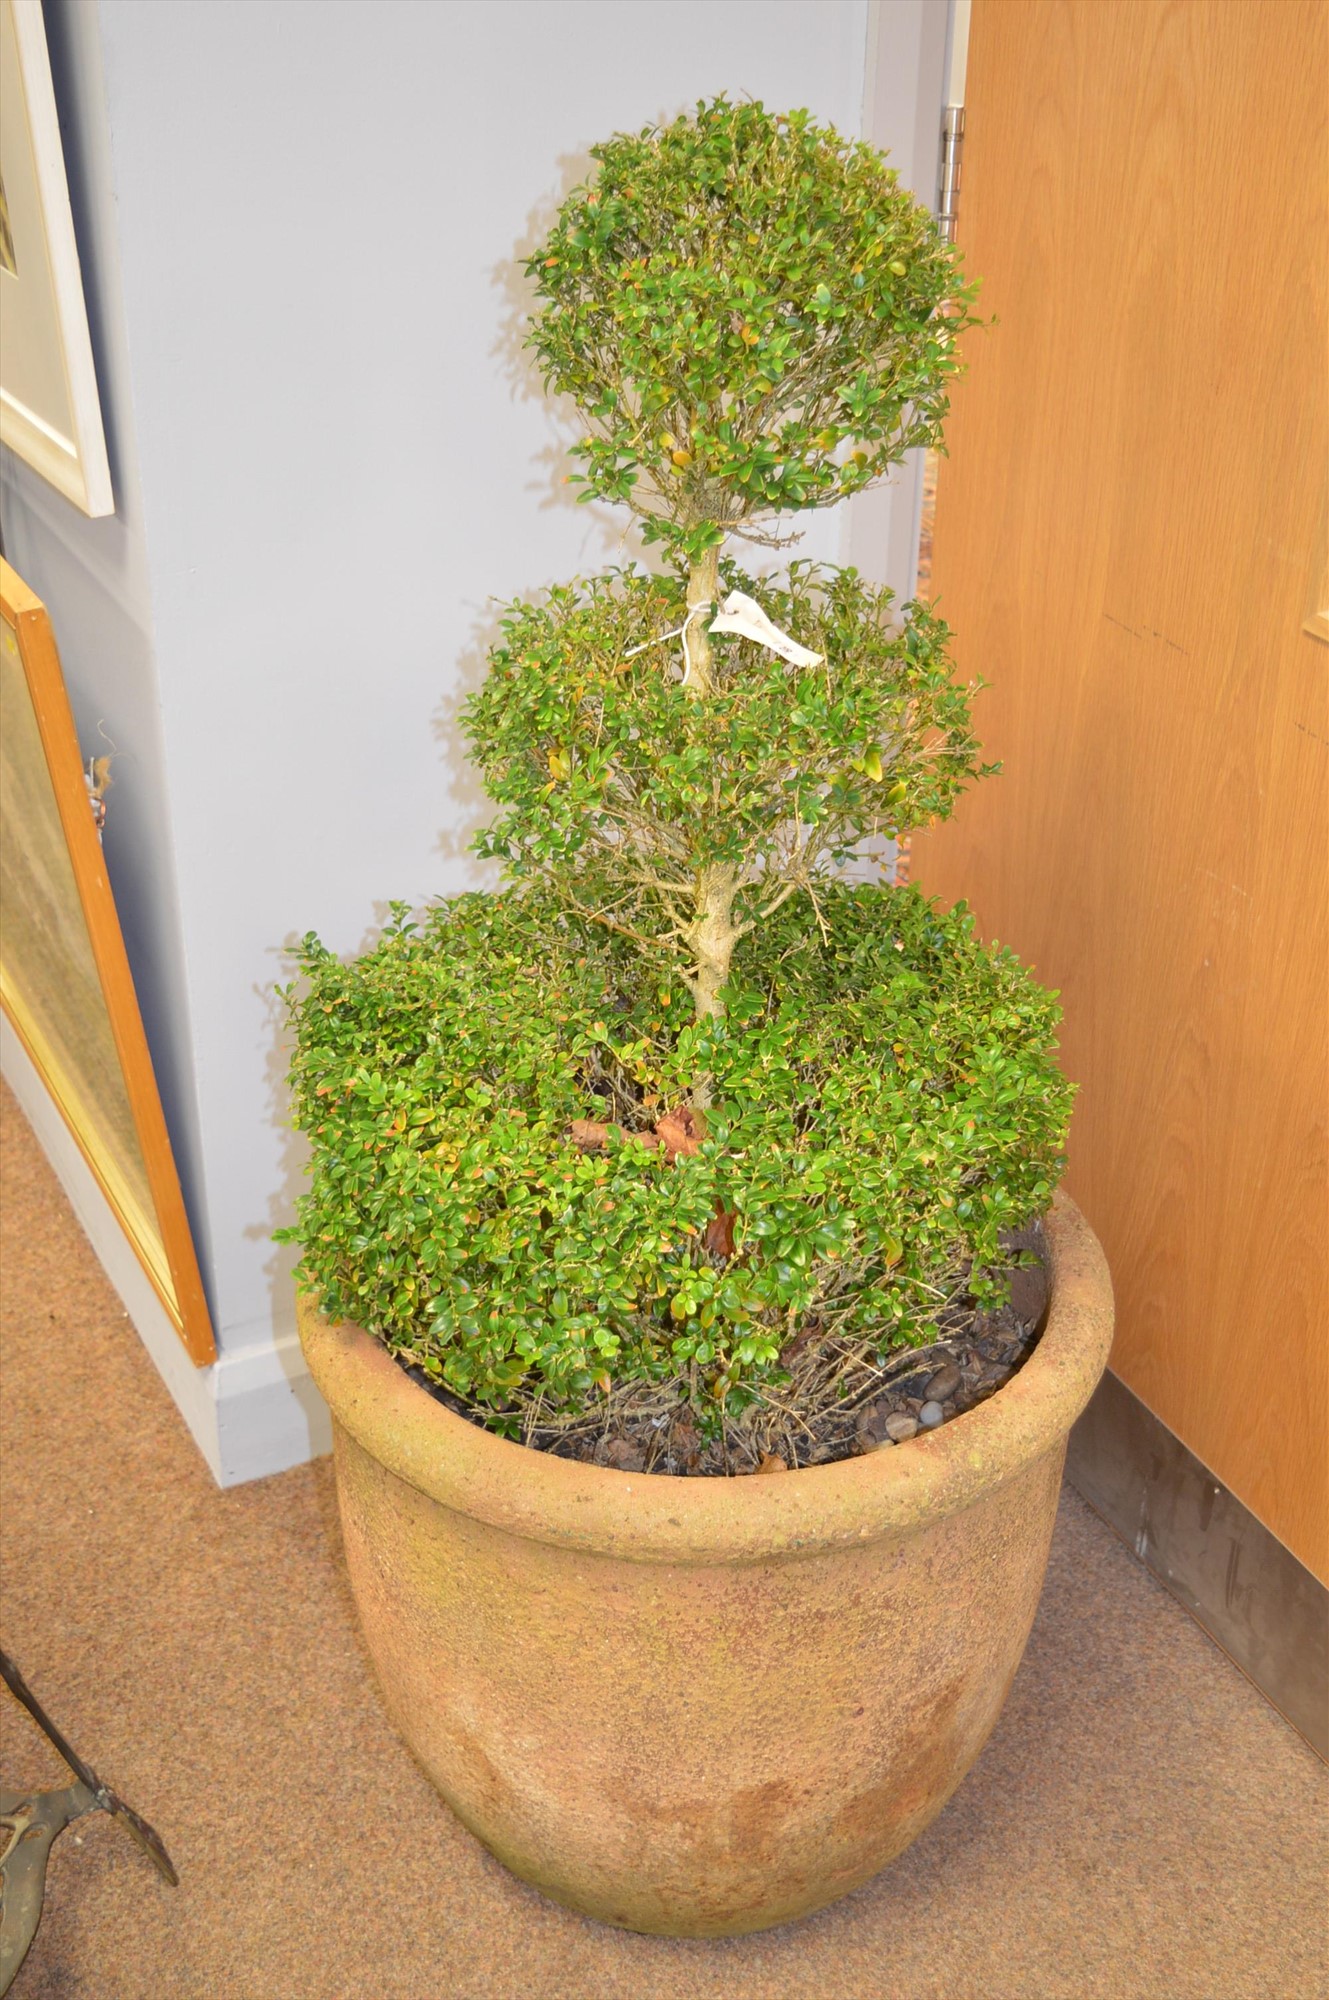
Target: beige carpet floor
1141,1823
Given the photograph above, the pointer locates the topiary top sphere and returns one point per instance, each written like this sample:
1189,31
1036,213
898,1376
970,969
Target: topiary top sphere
753,316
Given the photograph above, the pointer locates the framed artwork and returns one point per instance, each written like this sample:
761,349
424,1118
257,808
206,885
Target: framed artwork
65,982
49,411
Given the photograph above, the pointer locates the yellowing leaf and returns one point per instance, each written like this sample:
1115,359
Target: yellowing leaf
872,765
560,765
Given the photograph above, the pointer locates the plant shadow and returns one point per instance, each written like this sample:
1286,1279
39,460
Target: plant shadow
605,538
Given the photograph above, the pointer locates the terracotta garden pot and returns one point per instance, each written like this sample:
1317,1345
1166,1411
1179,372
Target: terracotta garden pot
701,1706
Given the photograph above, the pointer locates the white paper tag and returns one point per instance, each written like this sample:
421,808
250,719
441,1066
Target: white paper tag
745,616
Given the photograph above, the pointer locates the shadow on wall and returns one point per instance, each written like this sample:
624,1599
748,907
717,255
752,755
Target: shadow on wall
620,543
464,788
279,1268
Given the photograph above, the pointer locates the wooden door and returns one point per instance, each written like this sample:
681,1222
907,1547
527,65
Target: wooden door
1130,546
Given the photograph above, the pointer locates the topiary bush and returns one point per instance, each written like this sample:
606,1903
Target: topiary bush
681,1113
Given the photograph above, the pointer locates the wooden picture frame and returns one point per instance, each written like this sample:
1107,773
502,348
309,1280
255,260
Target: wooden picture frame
50,414
65,982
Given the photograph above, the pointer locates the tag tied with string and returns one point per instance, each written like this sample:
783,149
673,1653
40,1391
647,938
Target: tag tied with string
745,617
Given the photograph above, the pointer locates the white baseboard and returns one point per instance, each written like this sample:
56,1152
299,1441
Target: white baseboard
255,1410
269,1414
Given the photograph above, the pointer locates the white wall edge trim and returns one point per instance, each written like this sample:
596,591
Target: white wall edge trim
255,1410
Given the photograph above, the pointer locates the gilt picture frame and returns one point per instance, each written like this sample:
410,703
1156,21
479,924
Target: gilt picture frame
65,981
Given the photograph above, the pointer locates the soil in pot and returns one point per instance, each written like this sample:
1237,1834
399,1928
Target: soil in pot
831,1413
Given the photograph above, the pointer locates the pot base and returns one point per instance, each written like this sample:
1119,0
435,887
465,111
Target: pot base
694,1751
703,1707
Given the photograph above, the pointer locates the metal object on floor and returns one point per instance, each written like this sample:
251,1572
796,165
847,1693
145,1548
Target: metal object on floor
33,1821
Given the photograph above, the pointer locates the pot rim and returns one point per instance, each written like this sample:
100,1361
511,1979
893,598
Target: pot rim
660,1517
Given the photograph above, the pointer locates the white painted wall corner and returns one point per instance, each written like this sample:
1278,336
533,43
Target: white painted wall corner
255,1410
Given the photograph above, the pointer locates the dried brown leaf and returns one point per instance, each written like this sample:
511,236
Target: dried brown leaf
589,1133
592,1135
681,1131
719,1238
791,1350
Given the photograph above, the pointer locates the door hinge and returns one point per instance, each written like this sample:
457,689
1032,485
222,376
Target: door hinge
952,150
